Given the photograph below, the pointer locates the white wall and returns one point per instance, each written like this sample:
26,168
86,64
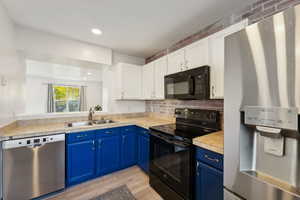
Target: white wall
12,70
38,74
109,103
38,43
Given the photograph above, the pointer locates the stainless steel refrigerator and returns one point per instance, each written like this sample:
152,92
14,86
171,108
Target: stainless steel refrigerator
261,110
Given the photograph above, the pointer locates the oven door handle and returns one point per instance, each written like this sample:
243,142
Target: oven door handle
174,142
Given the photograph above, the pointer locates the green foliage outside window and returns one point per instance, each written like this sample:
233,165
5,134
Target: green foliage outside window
66,98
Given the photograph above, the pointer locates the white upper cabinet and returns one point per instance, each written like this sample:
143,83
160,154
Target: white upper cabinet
176,61
153,79
217,59
196,54
148,81
192,56
160,71
129,81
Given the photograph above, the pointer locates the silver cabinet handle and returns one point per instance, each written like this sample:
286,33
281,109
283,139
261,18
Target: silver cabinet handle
93,147
100,143
213,91
186,62
123,139
211,159
197,167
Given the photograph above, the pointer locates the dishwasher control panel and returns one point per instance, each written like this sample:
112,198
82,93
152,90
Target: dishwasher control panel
33,142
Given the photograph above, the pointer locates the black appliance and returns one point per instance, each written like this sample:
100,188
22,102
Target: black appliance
189,85
172,159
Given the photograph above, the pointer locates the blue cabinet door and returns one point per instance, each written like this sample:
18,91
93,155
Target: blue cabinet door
209,183
143,152
108,154
128,147
80,161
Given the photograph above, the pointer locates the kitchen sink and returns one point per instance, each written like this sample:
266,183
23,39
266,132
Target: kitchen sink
89,123
78,124
104,121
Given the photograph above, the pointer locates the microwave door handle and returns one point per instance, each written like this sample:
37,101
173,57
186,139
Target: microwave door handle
191,81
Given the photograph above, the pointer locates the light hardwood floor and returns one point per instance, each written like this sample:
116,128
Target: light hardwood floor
135,179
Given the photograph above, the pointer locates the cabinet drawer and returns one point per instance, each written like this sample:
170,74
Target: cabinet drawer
107,132
80,136
211,158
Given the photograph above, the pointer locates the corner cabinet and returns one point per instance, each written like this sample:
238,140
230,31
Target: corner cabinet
128,82
216,44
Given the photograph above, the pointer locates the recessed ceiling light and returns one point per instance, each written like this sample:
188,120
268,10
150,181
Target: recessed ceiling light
96,31
89,73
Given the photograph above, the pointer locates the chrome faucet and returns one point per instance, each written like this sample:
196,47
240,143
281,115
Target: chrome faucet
91,112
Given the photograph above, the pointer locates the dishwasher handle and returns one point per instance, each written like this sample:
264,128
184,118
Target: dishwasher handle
33,141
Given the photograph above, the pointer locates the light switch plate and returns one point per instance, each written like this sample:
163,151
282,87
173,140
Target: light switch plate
3,81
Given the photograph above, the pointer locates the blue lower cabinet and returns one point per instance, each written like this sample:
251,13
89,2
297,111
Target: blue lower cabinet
143,150
128,146
80,161
209,177
91,154
108,154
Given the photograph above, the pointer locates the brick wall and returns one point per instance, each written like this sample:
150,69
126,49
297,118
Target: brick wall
167,107
259,10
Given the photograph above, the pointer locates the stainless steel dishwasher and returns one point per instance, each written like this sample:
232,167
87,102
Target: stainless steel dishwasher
33,167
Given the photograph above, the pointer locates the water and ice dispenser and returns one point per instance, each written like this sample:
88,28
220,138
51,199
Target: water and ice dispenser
269,145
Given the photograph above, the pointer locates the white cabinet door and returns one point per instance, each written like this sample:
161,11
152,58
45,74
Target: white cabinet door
160,71
196,54
148,81
217,59
129,81
216,44
176,61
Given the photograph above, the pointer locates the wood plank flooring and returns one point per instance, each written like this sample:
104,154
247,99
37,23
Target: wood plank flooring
135,179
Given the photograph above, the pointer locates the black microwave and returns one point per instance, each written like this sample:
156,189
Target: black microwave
188,85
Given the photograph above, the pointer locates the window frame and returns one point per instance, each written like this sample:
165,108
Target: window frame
68,99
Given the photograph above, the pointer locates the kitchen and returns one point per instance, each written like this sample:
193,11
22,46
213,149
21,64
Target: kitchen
110,100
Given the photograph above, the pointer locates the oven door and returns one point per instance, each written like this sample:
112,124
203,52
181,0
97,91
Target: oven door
171,162
191,84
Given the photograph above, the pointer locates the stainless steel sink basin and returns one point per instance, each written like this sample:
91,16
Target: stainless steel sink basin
105,121
78,124
89,123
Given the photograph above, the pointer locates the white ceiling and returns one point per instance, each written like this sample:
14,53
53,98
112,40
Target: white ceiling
134,27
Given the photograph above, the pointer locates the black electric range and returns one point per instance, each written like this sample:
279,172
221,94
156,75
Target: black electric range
172,162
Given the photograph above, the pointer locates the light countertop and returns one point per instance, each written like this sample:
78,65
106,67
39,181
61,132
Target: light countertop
16,132
213,142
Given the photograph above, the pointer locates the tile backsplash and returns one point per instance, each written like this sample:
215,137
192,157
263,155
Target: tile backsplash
167,107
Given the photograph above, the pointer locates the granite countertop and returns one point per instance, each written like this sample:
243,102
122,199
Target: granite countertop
213,142
18,132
